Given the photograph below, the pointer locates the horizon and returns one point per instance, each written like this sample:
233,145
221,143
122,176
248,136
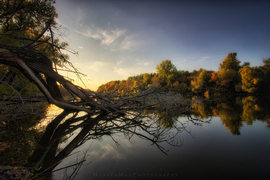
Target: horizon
119,39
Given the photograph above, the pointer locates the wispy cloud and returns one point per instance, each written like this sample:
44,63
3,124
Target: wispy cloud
96,66
203,58
109,36
106,37
143,62
81,47
114,39
106,152
123,72
136,67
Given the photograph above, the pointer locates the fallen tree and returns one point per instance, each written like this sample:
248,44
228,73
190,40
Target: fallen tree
27,29
39,69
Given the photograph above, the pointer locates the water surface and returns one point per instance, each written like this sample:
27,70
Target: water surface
218,139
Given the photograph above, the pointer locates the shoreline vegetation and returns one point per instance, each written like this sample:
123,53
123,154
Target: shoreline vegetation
232,78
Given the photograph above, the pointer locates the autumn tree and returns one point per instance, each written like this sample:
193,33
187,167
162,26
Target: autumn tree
146,79
200,83
228,78
31,24
230,62
266,64
155,81
252,79
165,68
213,80
22,21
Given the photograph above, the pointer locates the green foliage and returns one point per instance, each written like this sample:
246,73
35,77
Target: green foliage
165,68
24,20
228,80
200,83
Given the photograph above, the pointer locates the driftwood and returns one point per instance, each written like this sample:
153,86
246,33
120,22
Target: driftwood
37,67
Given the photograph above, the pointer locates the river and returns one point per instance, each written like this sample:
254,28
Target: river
219,139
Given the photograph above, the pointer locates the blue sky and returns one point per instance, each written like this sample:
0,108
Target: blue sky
121,38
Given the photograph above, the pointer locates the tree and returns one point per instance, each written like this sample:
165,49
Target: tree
214,78
200,83
165,68
230,62
228,78
172,78
146,79
23,21
266,64
155,81
252,79
38,16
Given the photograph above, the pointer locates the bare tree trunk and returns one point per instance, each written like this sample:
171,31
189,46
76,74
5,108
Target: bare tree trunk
29,61
34,65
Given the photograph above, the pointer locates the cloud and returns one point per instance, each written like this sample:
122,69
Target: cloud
203,58
113,38
143,63
106,37
129,68
123,72
96,66
81,47
106,152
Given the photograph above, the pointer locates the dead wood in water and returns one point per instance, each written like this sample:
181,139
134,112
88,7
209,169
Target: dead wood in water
39,70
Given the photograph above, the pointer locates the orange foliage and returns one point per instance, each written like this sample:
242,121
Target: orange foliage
176,84
215,112
214,77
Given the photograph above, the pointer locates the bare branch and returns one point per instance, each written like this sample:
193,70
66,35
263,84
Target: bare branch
47,25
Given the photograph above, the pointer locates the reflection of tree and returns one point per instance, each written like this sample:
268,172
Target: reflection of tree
203,109
251,109
233,112
166,120
17,130
47,155
230,116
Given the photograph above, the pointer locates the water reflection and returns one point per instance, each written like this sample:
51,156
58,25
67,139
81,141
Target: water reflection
233,112
18,135
75,129
43,150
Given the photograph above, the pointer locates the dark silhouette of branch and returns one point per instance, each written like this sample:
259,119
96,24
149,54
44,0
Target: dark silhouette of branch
46,156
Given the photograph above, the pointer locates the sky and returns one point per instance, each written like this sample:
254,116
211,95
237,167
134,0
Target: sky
116,39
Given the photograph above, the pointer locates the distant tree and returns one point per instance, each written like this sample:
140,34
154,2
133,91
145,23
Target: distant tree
214,78
165,68
172,78
155,81
245,64
230,62
266,64
228,78
266,70
252,79
146,79
176,84
200,83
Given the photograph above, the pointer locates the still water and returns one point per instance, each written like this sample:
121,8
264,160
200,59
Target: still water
219,139
210,151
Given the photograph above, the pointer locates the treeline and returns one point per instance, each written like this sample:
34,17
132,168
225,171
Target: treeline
232,77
